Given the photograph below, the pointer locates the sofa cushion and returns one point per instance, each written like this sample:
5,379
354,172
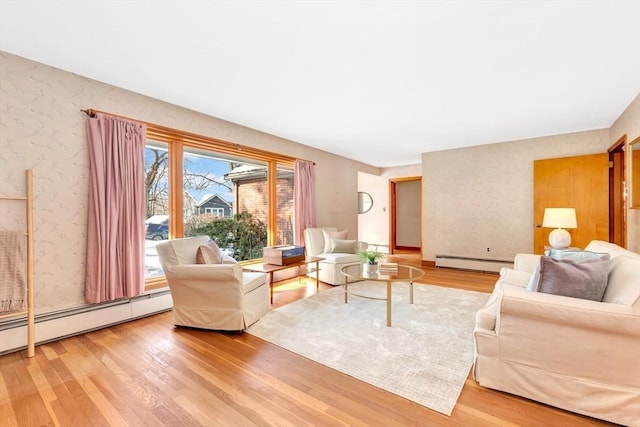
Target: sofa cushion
328,235
586,280
624,281
343,246
208,254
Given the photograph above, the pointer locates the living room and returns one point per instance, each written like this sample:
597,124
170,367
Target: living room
43,129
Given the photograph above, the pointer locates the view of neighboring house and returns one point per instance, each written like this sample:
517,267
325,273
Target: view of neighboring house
213,204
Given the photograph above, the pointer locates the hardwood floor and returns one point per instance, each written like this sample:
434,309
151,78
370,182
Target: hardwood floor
148,373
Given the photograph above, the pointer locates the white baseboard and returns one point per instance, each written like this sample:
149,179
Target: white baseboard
50,327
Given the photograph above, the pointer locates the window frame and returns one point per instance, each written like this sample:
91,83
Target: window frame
177,141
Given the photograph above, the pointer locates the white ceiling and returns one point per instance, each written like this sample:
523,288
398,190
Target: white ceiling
376,81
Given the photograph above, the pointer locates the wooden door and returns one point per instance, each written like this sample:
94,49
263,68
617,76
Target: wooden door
580,182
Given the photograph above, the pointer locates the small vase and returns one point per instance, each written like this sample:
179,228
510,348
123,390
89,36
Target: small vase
370,268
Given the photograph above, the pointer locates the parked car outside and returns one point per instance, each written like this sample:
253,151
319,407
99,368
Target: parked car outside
157,232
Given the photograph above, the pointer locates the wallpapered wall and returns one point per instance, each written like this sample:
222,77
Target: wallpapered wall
482,197
42,128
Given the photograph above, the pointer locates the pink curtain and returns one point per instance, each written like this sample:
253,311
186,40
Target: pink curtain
304,198
115,235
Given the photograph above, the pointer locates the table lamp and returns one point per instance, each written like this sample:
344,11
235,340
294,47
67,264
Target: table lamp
559,218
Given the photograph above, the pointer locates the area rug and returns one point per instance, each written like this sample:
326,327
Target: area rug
425,356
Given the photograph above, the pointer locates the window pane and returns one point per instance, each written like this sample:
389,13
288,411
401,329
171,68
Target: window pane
226,199
284,209
156,161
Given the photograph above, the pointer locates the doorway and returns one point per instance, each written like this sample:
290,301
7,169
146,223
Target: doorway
405,214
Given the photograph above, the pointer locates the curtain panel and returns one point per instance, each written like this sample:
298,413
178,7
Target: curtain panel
304,198
115,234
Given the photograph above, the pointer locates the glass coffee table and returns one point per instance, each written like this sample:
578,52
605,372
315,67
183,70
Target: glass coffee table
359,272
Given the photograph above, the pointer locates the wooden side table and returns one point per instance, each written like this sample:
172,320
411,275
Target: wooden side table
271,268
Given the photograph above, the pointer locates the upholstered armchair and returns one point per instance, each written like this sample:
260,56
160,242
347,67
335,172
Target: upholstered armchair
318,242
205,295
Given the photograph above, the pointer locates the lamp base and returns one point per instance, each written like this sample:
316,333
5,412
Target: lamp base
559,238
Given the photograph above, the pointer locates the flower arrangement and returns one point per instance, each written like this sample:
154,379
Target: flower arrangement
370,256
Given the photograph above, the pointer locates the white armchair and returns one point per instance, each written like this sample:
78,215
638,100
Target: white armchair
316,245
211,296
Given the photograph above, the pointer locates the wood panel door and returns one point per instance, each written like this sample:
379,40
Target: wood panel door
580,182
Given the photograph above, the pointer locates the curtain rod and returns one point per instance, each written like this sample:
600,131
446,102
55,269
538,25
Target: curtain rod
92,113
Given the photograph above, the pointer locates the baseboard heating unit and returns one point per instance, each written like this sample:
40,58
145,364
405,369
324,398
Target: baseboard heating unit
468,263
73,321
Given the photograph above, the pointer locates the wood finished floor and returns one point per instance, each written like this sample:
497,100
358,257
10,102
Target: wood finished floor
148,373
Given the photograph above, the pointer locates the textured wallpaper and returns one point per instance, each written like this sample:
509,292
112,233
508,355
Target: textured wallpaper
482,197
42,128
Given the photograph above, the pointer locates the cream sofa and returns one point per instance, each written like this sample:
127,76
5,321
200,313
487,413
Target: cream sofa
211,296
575,354
315,245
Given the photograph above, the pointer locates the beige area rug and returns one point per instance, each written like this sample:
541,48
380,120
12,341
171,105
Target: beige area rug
425,356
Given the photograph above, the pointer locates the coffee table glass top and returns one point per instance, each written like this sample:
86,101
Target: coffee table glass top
405,273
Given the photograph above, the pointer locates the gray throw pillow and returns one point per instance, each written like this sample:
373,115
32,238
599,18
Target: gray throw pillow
586,279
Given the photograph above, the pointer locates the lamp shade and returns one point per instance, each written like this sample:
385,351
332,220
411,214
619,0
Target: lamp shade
560,218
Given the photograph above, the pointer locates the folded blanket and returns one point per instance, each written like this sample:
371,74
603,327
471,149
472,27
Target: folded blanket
13,286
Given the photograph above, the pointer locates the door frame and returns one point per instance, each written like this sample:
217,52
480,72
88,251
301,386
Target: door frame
618,191
393,182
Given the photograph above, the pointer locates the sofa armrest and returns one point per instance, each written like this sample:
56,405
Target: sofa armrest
573,312
526,262
590,340
514,277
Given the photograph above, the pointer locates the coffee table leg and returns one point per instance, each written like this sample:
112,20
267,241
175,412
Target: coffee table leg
271,286
346,289
317,276
410,292
389,303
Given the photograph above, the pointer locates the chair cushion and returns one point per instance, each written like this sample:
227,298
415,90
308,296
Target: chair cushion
343,246
208,254
252,280
328,235
339,258
586,280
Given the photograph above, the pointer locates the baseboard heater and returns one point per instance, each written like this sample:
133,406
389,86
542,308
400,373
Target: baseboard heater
78,320
468,263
